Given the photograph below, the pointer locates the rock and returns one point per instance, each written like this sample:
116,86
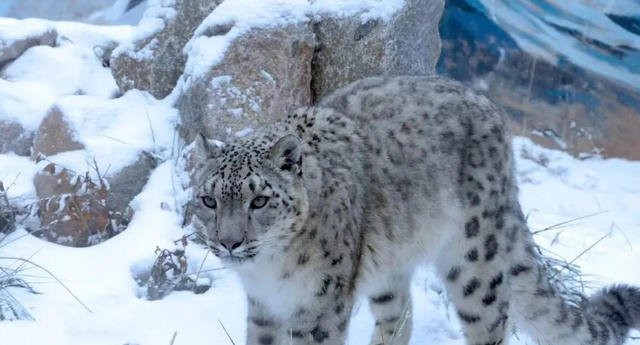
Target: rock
77,211
14,138
263,75
154,62
17,37
54,135
129,182
72,208
350,49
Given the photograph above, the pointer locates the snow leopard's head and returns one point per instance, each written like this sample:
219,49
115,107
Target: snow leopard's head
250,200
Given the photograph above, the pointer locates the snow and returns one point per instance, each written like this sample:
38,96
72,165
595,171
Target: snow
12,30
108,307
84,74
52,72
115,132
18,105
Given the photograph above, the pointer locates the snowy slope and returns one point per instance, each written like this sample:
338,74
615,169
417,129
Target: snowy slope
108,307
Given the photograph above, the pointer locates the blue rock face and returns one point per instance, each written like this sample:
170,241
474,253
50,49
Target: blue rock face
568,74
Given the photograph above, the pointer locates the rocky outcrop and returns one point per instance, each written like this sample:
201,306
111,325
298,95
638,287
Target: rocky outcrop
153,61
350,48
14,41
262,76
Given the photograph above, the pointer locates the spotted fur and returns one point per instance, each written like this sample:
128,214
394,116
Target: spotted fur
348,197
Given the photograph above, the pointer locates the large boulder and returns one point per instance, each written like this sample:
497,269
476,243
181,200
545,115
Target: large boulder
18,36
153,60
263,75
356,47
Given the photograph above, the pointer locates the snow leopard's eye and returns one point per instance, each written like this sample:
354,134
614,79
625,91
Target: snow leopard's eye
259,202
208,202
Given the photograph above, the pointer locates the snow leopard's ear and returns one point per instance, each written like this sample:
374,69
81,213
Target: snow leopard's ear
286,153
206,149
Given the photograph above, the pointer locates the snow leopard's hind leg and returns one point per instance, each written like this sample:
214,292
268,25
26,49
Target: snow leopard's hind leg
475,262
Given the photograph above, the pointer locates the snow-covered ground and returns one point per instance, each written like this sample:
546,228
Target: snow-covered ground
107,307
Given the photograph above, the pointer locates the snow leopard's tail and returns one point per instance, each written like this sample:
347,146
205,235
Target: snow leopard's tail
540,310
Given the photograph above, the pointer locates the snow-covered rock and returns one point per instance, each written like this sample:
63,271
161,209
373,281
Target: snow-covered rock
153,58
255,76
80,166
18,36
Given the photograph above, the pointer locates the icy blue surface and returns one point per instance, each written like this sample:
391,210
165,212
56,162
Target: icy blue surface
598,35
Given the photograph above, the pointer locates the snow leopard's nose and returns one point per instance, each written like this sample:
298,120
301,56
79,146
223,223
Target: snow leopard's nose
231,244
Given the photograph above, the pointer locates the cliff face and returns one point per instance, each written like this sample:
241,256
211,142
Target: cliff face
567,89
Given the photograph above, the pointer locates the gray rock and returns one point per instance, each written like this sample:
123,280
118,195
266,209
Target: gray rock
14,138
407,43
129,182
263,75
11,49
155,63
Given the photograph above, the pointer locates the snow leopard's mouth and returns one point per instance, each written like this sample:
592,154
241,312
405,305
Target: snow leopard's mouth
233,257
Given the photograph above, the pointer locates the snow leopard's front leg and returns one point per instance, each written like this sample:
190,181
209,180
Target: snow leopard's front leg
262,327
327,322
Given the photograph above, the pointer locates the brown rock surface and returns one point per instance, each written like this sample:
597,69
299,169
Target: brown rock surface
72,208
54,135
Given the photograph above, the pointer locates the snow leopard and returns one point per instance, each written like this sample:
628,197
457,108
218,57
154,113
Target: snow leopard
346,198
